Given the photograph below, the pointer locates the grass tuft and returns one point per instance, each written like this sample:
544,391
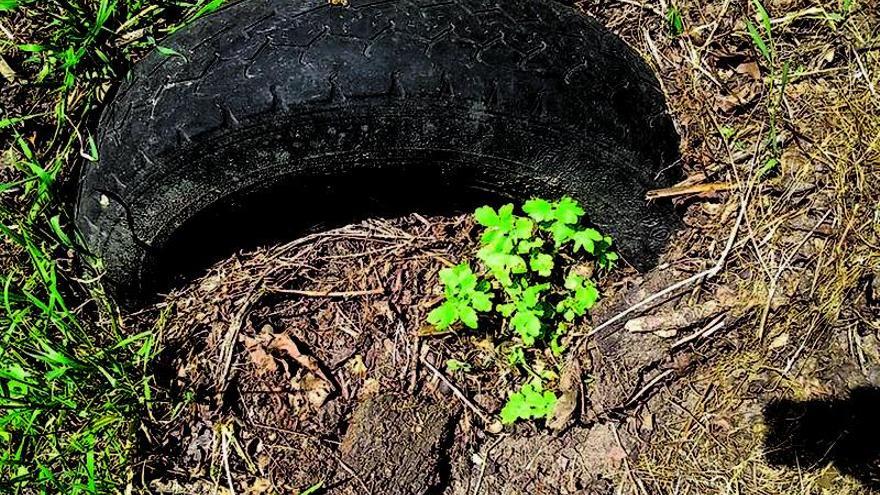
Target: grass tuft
73,378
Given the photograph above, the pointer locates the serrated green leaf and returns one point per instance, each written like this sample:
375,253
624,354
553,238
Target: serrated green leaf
531,401
531,295
568,211
527,324
516,356
540,210
585,239
467,315
542,263
523,228
486,216
505,309
444,315
587,296
481,301
527,245
453,365
573,281
561,232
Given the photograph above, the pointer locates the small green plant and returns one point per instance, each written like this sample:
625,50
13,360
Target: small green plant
313,490
779,76
453,365
533,273
675,21
531,401
765,46
465,295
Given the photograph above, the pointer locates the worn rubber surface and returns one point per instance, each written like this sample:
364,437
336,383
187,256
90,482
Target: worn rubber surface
280,112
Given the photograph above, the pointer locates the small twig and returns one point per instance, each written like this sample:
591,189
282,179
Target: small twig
713,326
635,480
228,345
774,282
483,466
458,393
692,189
224,446
327,293
648,386
351,472
642,6
797,353
706,274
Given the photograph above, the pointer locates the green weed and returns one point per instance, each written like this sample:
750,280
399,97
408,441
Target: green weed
763,41
530,401
529,277
674,21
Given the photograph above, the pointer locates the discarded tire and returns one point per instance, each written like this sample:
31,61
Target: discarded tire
277,115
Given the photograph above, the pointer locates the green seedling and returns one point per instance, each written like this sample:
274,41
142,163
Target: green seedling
521,260
675,21
313,490
453,365
765,46
530,402
465,296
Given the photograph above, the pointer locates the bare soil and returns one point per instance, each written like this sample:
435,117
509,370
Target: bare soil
326,382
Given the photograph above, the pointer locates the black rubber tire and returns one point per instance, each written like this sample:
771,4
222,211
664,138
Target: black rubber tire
312,104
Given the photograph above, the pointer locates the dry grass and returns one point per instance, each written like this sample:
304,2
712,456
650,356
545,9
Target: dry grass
810,243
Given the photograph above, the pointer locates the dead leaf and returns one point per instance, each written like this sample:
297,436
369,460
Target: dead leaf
828,56
569,385
781,340
357,366
6,71
750,69
616,455
262,361
316,390
737,98
485,345
562,413
666,323
260,486
284,343
666,334
369,388
647,423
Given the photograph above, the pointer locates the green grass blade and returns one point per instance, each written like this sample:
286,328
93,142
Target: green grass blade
759,41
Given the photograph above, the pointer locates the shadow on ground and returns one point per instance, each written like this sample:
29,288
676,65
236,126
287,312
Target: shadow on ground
809,434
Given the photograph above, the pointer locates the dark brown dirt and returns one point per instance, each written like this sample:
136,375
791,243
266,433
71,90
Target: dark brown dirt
325,382
398,444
